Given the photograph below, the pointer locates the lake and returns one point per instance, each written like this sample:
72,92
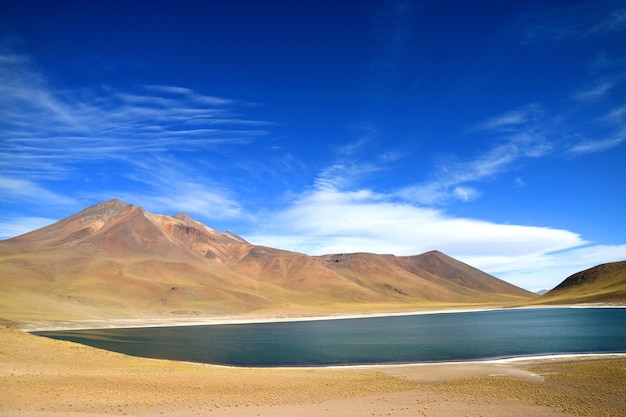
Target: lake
439,337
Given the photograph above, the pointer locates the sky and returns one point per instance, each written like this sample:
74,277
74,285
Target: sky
492,131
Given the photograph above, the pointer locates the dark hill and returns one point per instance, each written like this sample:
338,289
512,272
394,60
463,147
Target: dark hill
601,284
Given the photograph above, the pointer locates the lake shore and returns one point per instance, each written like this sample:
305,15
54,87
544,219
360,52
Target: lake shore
47,378
119,323
221,351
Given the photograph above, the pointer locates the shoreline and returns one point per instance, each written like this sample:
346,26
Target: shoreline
230,320
98,324
48,378
526,360
519,360
131,323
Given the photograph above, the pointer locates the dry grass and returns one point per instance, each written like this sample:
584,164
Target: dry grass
38,374
595,388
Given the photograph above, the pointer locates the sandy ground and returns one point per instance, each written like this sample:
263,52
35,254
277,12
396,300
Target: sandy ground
34,325
45,377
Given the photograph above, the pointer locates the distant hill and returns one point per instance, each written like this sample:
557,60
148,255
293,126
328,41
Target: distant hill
542,292
601,284
115,260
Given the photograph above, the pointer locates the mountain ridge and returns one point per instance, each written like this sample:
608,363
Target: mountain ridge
117,259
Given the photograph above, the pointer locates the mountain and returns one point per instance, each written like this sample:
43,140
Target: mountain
601,284
117,260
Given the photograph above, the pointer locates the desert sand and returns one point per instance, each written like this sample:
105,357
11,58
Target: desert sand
44,377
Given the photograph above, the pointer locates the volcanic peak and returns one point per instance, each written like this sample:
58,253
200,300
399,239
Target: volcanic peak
115,228
118,254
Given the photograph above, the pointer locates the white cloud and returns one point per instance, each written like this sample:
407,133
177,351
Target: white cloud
333,221
12,189
465,194
15,226
545,270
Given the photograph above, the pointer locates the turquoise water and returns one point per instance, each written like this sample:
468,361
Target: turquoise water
476,335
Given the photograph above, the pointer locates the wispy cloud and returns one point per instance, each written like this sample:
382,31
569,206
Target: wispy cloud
572,21
189,197
520,135
394,29
23,190
528,132
592,146
613,22
47,133
346,173
16,226
42,123
175,187
512,120
453,176
355,160
617,116
190,94
610,132
594,93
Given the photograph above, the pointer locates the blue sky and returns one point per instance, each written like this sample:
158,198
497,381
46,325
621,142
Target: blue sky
492,131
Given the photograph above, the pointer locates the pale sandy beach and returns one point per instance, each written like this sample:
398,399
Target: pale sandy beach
33,325
44,377
176,322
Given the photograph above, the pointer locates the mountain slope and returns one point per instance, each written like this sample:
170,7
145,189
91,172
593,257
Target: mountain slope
602,283
117,260
461,274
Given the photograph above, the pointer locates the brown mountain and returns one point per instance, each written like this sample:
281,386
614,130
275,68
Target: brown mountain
601,284
117,260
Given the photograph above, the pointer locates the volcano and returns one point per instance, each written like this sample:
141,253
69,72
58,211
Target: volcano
116,260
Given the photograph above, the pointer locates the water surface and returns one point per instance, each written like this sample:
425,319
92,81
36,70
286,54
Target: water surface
477,335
